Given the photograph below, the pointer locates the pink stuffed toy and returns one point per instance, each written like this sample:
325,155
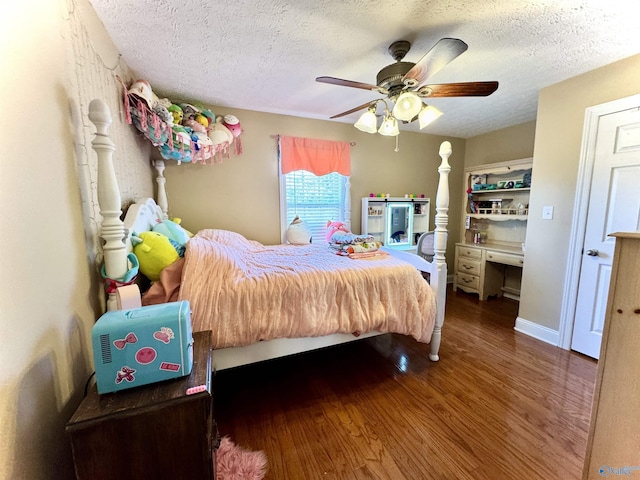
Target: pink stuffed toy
333,227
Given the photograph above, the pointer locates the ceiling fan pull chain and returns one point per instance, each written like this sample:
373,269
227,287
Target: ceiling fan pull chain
397,149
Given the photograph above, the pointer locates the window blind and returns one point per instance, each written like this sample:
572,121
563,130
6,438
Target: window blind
315,200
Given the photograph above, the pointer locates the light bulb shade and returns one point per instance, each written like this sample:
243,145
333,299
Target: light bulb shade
427,115
367,122
389,127
407,106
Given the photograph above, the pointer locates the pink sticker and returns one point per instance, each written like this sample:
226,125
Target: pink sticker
164,335
130,338
145,355
172,367
125,373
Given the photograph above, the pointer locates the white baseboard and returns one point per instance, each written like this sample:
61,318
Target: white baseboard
535,330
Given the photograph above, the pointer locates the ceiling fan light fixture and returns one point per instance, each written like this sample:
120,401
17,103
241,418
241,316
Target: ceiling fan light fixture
367,122
389,127
407,106
428,114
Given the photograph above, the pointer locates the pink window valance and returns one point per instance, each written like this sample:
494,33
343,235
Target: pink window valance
319,157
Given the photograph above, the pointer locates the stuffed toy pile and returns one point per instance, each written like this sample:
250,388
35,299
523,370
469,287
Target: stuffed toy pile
182,131
343,242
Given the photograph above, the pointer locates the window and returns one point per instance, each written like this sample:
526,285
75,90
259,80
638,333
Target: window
315,199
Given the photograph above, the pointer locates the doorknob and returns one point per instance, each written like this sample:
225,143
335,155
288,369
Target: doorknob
592,253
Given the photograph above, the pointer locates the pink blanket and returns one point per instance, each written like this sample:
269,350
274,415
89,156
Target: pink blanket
246,292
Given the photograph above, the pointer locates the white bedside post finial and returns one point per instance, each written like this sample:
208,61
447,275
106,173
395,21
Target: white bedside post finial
113,231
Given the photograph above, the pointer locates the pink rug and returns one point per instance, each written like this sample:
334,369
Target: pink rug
236,463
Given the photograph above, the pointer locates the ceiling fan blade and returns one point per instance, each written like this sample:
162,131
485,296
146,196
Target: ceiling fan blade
464,89
351,83
361,107
432,62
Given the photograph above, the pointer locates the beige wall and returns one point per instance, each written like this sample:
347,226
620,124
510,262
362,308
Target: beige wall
53,62
501,145
561,109
242,193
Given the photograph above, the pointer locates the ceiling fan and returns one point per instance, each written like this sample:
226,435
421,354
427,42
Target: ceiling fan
406,77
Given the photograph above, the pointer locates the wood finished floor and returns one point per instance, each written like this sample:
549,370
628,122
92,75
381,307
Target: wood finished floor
498,405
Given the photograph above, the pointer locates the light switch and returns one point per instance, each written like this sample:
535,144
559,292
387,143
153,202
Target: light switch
547,213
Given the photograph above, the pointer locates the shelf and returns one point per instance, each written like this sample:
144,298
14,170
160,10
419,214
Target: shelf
498,217
500,190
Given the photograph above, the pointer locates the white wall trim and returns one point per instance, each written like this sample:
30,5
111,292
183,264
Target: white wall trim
535,330
579,221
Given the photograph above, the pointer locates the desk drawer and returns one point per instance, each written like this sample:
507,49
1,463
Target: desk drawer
470,281
505,258
468,266
470,252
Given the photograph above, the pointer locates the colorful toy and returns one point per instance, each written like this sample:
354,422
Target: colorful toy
194,125
164,114
333,227
189,111
298,232
142,90
219,134
155,252
202,120
209,115
172,230
233,125
177,113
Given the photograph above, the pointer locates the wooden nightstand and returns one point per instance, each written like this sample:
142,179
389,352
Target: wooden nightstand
152,431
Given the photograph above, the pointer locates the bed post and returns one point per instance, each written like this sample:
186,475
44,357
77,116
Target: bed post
440,247
161,197
112,231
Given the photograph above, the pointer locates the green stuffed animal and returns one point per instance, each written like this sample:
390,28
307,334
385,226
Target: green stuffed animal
173,230
155,252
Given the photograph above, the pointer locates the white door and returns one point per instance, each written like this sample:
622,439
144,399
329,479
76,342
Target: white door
613,206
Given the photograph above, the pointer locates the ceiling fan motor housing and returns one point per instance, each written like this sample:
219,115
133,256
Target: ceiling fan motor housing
390,77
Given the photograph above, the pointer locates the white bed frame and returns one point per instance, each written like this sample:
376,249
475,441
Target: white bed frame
142,215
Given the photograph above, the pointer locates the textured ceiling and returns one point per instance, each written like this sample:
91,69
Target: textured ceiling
265,55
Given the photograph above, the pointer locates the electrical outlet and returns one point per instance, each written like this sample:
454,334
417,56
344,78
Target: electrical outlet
547,213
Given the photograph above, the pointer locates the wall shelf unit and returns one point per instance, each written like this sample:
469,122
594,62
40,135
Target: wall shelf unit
396,222
490,254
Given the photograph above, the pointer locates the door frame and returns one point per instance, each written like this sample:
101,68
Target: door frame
580,211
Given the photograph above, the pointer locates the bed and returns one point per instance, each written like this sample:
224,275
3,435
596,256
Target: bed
386,294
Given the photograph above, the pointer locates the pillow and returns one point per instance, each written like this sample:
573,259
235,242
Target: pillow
154,252
298,232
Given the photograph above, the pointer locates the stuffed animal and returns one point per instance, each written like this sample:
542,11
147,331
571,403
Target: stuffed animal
298,232
189,111
177,113
155,252
173,230
233,125
219,134
142,90
333,227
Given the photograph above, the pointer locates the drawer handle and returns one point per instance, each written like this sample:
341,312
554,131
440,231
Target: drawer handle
467,280
468,267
